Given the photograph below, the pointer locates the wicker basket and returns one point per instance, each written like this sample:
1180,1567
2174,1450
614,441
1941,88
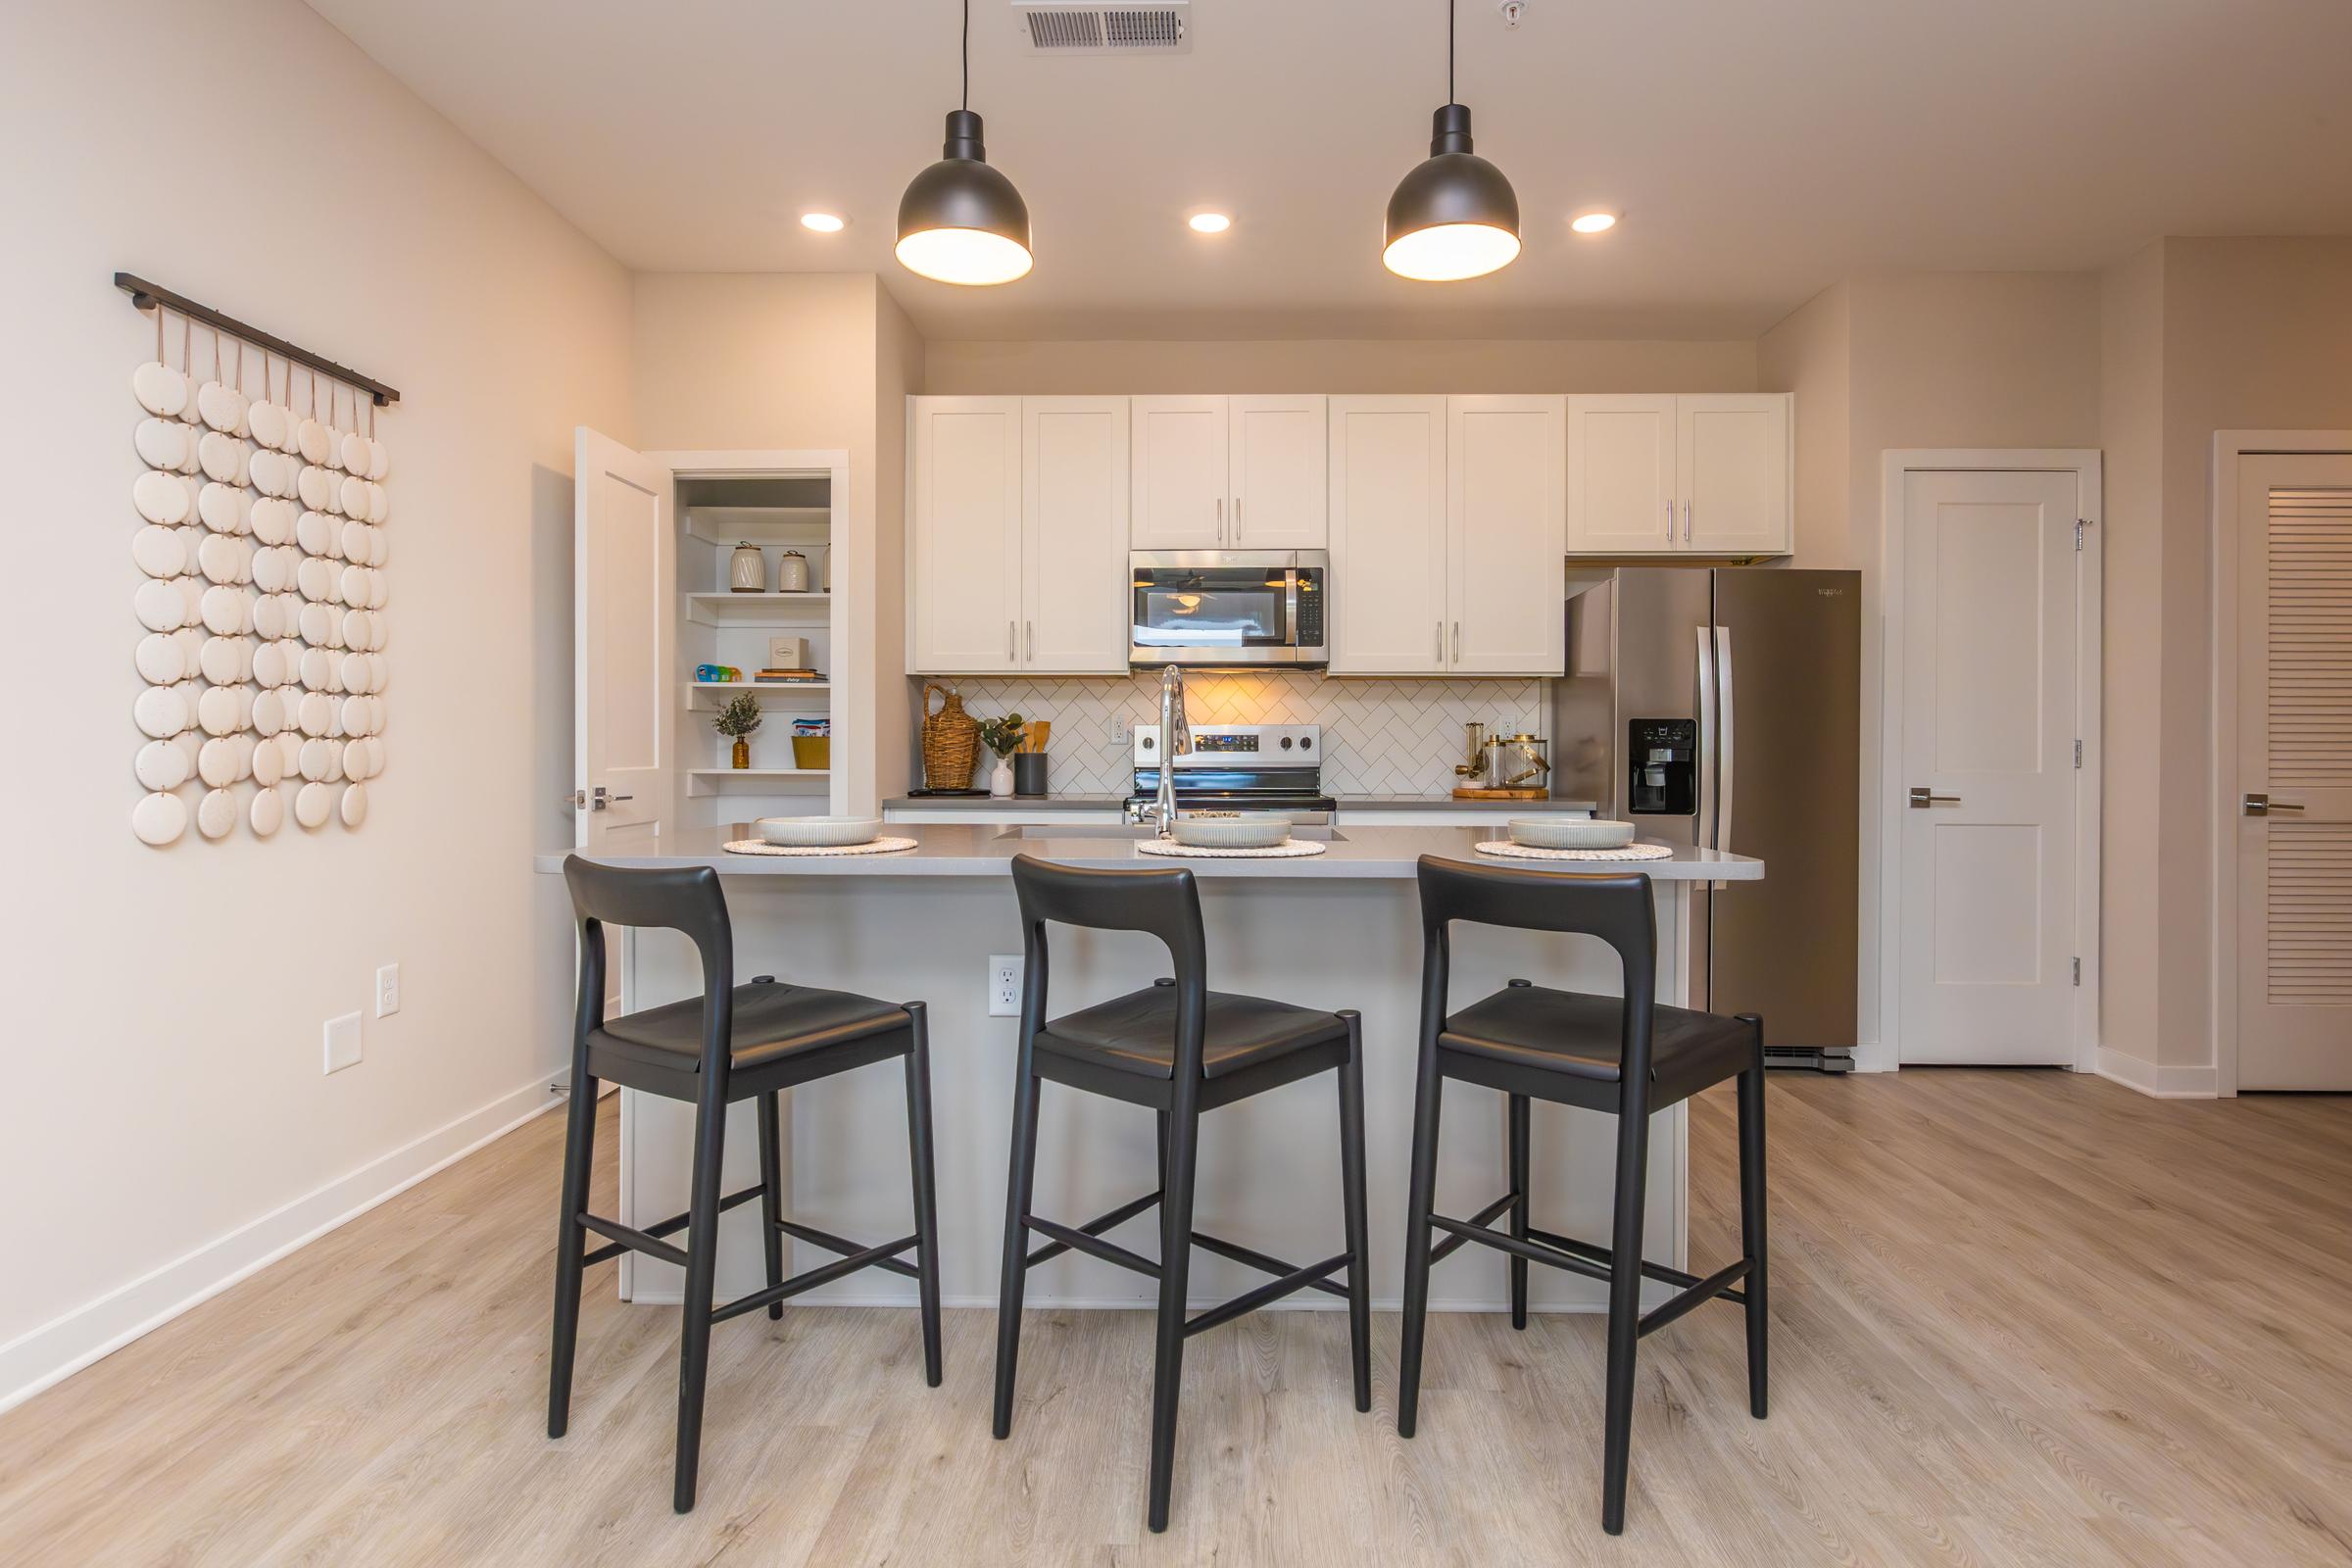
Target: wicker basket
951,741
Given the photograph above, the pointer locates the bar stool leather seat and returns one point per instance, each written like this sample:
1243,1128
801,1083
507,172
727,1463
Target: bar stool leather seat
773,1019
1137,1033
1582,1035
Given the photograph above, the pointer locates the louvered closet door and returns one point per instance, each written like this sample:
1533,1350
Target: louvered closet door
2294,984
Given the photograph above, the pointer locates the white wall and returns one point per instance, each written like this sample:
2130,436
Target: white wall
166,1121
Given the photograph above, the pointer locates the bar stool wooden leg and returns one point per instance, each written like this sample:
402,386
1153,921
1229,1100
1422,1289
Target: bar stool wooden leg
572,1238
1351,1184
1625,1307
1753,1240
1517,1175
702,1267
1175,1260
771,1194
1419,1204
1018,1189
926,1202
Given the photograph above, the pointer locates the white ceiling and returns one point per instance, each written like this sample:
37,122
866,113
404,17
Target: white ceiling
1758,151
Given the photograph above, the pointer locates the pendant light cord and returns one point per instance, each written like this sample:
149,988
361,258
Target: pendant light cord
967,50
967,8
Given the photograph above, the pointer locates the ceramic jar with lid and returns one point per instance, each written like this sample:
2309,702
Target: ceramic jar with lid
792,572
746,570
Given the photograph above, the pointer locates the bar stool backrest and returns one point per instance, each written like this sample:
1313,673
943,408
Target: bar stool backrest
1614,906
684,898
1158,901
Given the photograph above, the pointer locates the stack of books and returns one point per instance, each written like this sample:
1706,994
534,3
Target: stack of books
785,678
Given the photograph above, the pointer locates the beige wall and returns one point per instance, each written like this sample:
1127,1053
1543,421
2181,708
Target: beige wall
166,1115
1811,355
1110,367
898,372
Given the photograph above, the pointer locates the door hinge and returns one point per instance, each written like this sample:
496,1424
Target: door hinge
2077,753
2080,523
2078,971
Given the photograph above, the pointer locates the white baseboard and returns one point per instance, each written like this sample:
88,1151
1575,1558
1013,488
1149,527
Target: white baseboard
64,1345
2156,1079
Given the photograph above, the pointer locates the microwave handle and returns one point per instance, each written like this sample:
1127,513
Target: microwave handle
1290,601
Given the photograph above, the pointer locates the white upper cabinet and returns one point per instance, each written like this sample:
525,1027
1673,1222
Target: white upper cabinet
1387,536
1700,473
1074,535
1276,474
1732,474
1506,535
1180,496
964,555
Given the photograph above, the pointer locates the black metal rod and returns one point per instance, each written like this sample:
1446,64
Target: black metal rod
837,1244
145,296
812,1278
1533,1251
1095,1227
1258,1260
1603,1255
1272,1291
635,1240
1092,1246
1481,1219
1698,1295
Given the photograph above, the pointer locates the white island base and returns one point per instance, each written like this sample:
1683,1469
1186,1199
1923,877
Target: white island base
1336,930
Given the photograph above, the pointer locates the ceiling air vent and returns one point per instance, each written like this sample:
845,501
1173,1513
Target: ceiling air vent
1072,27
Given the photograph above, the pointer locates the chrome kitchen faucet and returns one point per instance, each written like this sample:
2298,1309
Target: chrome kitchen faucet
1175,740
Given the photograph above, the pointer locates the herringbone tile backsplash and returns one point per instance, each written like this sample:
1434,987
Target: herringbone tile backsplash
1380,737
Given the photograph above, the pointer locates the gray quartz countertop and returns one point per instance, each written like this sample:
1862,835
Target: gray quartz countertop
1447,803
1047,804
957,849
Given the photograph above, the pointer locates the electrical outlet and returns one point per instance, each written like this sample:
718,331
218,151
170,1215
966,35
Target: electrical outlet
1004,985
342,1042
387,990
1118,730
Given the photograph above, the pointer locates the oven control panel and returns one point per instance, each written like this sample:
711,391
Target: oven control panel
1238,746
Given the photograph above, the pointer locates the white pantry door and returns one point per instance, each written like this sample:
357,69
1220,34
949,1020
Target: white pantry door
624,557
2294,736
1986,923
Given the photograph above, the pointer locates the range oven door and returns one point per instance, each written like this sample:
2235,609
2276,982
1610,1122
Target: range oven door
1227,608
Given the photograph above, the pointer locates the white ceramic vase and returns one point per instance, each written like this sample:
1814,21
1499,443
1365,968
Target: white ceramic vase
747,570
999,779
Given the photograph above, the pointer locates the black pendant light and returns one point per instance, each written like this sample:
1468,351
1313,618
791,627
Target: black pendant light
961,222
1454,216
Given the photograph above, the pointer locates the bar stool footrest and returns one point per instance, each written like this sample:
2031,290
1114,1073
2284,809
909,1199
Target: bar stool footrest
1092,1227
1606,1258
628,1240
1289,1284
1480,1220
835,1243
1094,1246
1716,1283
813,1278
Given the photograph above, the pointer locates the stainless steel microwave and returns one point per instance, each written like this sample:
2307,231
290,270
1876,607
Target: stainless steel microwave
1242,608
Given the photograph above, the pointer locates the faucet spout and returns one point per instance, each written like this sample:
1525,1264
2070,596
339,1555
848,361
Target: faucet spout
1175,740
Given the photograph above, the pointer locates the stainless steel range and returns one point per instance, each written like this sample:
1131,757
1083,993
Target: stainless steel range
1265,768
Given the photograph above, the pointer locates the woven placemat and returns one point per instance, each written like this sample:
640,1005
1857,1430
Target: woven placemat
1524,851
1288,849
763,847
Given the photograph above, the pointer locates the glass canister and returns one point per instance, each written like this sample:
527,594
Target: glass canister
746,570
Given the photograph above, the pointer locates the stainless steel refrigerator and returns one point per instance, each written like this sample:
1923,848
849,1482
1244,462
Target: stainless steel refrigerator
1721,706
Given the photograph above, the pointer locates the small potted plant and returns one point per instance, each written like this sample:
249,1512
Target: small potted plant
1002,736
737,722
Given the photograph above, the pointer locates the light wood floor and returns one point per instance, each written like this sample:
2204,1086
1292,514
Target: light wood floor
2018,1317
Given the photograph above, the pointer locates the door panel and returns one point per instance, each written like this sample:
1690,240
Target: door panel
1387,536
1987,919
1732,474
2295,705
1179,485
1506,535
1073,535
1279,474
967,534
1621,474
624,580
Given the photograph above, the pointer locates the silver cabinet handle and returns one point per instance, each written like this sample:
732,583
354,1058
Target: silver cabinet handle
1031,627
1221,519
1237,520
1922,798
1685,523
1009,652
1670,521
2263,805
1457,642
1441,642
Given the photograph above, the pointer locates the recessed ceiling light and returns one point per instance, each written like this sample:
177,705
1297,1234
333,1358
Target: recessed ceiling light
823,222
1209,222
1594,223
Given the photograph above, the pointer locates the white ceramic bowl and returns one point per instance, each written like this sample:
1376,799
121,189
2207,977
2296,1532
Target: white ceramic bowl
1570,833
818,832
1230,832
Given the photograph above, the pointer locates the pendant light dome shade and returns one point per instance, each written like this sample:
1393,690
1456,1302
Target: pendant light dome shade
1453,216
960,221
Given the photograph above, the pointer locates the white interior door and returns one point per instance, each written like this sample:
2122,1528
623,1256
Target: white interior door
1276,459
1621,474
1387,536
1179,484
1074,535
966,554
1731,456
1506,532
2294,707
1988,918
623,574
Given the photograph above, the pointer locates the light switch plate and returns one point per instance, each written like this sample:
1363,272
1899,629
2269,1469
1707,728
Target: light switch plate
342,1042
387,990
1005,985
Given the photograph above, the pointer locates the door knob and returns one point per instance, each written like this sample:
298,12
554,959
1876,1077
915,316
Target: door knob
2263,805
1922,798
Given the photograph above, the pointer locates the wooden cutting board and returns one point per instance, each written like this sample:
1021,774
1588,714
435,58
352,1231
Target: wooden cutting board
1466,793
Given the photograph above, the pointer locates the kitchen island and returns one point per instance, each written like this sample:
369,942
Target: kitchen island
1340,929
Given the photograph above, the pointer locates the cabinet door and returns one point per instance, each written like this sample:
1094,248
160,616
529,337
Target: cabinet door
1074,535
1179,488
1506,535
964,558
1732,472
1621,475
1278,471
1387,536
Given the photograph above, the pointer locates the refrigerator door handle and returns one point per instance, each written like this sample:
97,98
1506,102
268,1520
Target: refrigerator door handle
1704,835
1726,747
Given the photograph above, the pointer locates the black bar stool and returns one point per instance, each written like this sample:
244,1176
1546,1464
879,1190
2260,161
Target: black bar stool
1625,1055
731,1043
1180,1049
